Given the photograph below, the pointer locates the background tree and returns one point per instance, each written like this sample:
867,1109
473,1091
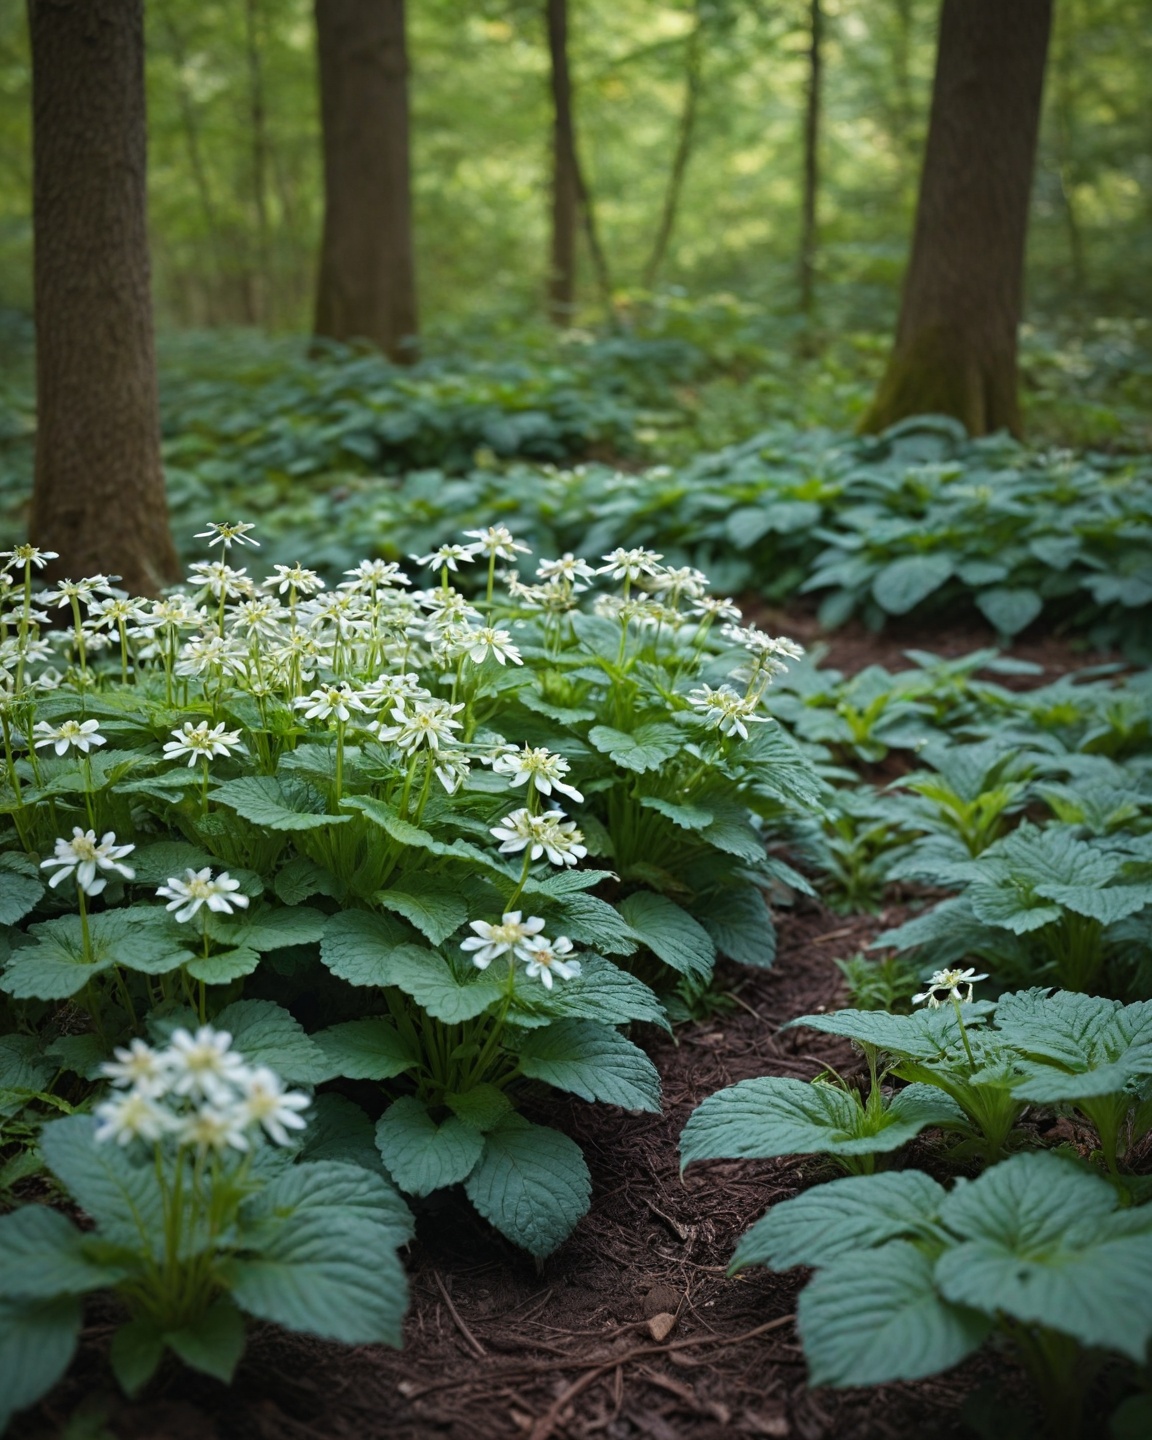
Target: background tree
367,284
955,350
99,488
808,236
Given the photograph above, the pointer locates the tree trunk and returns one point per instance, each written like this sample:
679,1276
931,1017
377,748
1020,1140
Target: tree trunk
99,489
367,288
259,274
811,161
955,350
565,172
693,65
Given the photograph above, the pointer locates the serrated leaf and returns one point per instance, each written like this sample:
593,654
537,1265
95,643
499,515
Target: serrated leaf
687,817
1041,1243
594,922
367,1049
531,1184
875,1316
223,967
37,1341
837,1218
270,928
592,1061
213,1343
923,1035
484,1106
645,748
42,1254
1011,905
22,1066
20,887
1076,1046
669,932
436,988
432,904
740,924
421,1155
267,802
339,1130
122,1197
302,878
902,584
266,1034
357,946
603,992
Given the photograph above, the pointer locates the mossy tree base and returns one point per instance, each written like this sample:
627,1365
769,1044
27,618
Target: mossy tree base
942,371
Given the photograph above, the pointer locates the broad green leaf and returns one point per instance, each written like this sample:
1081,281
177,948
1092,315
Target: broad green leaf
594,922
731,832
875,1316
1076,1046
422,1155
339,1130
358,946
1106,904
1040,1242
602,991
531,1183
43,1254
592,1061
434,985
740,924
413,836
822,1224
266,1034
687,817
484,1106
923,1035
902,584
669,932
366,1049
213,1343
135,1353
757,1119
122,1197
1011,904
645,748
274,805
270,928
432,903
1009,610
22,1066
156,863
223,967
20,887
302,878
37,1341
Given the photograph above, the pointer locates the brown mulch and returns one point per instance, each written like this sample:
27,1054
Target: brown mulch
632,1328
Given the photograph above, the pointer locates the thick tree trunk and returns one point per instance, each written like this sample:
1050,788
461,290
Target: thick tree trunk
565,171
955,350
367,288
808,237
99,490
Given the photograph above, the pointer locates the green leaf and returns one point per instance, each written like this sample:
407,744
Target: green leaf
902,584
20,887
484,1106
602,991
923,1035
773,1115
740,924
213,1343
1077,1046
266,1034
37,1342
669,932
1042,1242
875,1316
434,985
301,878
1012,905
594,922
422,1155
367,1049
358,946
339,1130
432,903
135,1353
592,1061
407,834
687,817
270,928
43,1254
327,1261
838,1218
123,1198
646,748
531,1184
223,967
1009,610
274,805
22,1066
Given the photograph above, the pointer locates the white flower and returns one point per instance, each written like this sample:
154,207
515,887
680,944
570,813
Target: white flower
218,534
624,564
446,557
294,577
546,834
726,710
540,766
946,985
338,700
139,1066
717,607
214,1128
204,1064
134,1116
452,769
486,641
497,540
220,578
569,568
266,1103
490,941
198,742
27,555
685,581
198,888
371,573
84,857
79,734
545,959
429,723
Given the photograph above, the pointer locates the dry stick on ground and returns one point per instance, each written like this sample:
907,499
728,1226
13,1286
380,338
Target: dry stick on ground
544,1427
473,1344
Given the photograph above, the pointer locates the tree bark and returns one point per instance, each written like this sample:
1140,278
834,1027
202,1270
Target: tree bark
98,497
259,274
808,237
955,350
693,66
367,286
565,171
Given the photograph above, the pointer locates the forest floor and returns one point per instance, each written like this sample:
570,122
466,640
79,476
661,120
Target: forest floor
632,1329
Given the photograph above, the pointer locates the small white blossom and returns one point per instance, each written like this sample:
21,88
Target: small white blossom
76,734
266,1103
726,710
338,700
134,1116
545,959
186,896
496,540
213,1127
204,1064
429,723
294,577
947,985
139,1066
624,564
541,767
488,641
548,834
491,941
83,857
222,534
198,742
27,555
446,557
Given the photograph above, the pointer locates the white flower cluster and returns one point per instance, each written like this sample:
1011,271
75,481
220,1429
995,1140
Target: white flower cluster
198,1091
85,858
948,985
522,940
